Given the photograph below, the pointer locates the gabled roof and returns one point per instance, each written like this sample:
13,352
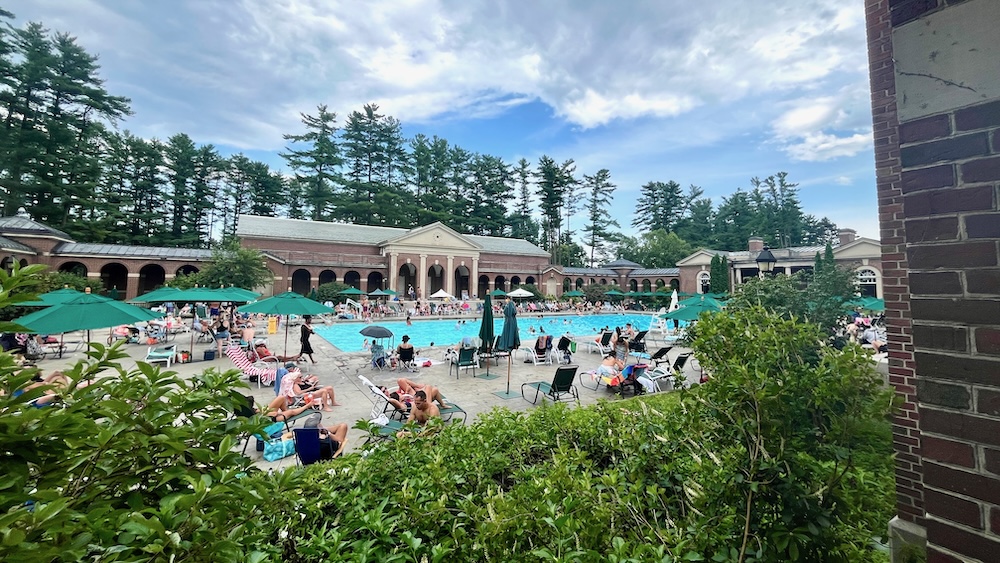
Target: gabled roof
123,251
297,229
25,226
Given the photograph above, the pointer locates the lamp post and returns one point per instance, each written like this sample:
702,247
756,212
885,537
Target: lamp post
765,261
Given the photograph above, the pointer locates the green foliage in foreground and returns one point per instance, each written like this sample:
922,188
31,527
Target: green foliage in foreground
783,456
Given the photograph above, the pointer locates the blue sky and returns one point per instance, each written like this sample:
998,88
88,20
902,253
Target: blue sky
705,93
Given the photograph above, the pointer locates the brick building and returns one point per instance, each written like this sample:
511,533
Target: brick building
935,78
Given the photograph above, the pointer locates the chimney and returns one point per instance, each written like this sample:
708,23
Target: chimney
846,236
755,244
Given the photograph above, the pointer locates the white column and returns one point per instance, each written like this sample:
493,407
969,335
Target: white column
392,278
474,279
422,277
449,285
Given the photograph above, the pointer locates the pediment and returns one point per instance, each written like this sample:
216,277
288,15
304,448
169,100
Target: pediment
700,258
435,235
857,249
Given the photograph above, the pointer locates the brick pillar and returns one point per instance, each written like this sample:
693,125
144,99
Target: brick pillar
941,177
895,284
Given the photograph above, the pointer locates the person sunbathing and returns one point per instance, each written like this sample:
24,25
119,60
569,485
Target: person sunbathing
260,348
279,410
402,397
293,386
611,366
423,410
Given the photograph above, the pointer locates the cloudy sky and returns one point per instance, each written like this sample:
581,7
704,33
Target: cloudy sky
708,93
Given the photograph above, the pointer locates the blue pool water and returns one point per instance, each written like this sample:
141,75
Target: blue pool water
422,333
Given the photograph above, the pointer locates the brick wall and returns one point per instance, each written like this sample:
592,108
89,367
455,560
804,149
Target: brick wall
938,207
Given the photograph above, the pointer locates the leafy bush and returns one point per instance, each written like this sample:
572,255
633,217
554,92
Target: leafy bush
783,456
138,466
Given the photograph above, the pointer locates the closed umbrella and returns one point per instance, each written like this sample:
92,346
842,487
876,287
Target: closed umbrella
510,340
673,302
486,333
288,303
85,312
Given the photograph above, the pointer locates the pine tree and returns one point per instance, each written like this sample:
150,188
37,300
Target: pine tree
598,231
317,164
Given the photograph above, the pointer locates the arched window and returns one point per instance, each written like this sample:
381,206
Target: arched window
705,282
868,282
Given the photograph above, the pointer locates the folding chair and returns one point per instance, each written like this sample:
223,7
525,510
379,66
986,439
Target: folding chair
638,344
561,388
309,447
405,360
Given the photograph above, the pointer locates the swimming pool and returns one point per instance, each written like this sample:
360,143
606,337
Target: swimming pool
423,333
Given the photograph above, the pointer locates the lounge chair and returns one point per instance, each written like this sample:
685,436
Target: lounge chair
264,376
602,346
565,350
165,354
541,352
561,388
638,343
673,375
660,356
381,406
466,359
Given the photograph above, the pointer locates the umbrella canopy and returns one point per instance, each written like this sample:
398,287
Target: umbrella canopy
520,293
352,291
574,293
442,294
288,303
389,292
375,331
233,293
702,300
159,295
498,293
614,293
689,312
84,313
509,337
377,293
203,295
53,298
486,329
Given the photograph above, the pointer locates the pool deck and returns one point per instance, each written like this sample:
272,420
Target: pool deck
339,369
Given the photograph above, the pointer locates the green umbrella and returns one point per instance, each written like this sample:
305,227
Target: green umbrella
486,332
498,293
389,292
53,298
113,294
690,312
574,293
204,295
352,291
159,295
288,303
235,294
85,312
614,293
702,300
377,293
510,340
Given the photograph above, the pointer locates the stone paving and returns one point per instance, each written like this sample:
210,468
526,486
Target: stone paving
339,369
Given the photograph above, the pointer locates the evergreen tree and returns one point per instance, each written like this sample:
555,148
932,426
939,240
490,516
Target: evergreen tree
431,167
552,183
660,206
316,164
374,157
597,231
719,272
